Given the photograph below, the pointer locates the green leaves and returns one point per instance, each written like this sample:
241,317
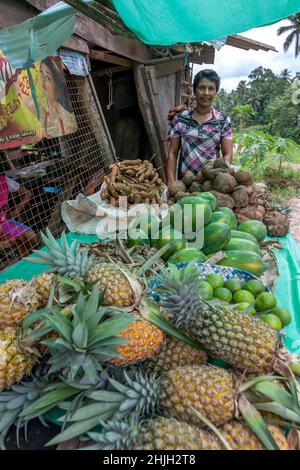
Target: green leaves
150,311
255,422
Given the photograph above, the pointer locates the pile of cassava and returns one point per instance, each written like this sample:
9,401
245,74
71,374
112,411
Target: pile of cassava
137,180
233,189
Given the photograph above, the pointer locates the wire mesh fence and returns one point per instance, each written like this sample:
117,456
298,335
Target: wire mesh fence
50,172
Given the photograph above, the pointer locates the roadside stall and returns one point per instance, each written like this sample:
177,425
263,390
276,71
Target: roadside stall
161,318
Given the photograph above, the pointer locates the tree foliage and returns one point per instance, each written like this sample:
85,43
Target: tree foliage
271,102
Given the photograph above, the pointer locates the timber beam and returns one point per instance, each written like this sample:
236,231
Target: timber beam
96,34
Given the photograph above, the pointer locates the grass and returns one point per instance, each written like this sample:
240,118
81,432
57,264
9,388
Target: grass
280,196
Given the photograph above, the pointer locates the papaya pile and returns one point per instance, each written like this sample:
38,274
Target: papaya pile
234,190
196,229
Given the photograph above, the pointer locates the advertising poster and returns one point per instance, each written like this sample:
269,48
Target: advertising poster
19,121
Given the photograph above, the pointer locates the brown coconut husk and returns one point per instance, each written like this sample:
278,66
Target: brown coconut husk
225,183
223,200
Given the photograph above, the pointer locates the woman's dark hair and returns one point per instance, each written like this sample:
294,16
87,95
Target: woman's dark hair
209,74
61,89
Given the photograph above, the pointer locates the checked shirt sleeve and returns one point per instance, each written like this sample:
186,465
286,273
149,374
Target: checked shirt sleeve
176,128
227,129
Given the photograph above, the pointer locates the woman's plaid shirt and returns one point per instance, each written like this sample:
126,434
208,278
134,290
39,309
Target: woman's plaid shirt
199,142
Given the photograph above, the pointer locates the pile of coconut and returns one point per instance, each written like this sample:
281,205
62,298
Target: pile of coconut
233,189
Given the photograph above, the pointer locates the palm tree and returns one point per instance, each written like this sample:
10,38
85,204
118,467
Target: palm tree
286,75
294,33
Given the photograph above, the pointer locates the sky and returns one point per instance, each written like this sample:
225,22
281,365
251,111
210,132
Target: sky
234,64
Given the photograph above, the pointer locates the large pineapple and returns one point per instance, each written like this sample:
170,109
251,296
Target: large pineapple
120,288
156,434
18,298
144,340
240,437
208,389
16,357
175,353
116,286
242,340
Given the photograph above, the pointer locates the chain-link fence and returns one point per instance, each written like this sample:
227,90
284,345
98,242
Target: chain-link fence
52,171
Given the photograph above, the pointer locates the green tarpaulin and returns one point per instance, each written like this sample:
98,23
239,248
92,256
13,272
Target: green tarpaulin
39,37
167,22
287,284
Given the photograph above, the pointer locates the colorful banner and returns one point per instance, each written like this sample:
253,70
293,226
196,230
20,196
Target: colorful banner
20,123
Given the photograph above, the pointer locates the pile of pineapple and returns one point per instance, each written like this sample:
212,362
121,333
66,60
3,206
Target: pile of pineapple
127,372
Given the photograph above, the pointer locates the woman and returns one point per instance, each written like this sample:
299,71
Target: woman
199,133
59,118
10,229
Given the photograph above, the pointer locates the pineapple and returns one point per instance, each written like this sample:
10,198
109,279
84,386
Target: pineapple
243,341
121,288
18,298
144,340
16,357
175,353
42,284
208,389
116,286
240,437
155,434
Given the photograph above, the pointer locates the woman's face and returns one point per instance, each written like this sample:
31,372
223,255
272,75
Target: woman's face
206,92
48,83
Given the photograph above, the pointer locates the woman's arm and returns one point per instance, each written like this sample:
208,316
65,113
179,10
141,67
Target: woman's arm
174,148
227,150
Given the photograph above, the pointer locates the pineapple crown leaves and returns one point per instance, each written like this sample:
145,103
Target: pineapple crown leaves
151,312
86,340
284,402
180,292
63,259
138,395
14,401
116,435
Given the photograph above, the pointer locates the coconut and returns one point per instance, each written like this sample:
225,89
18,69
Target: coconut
195,187
175,187
188,178
277,224
207,186
220,163
248,213
200,178
206,169
244,177
223,200
180,195
224,183
240,197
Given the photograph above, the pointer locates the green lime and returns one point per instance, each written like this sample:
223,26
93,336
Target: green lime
205,290
233,285
272,320
243,296
215,280
255,287
283,314
265,301
245,306
223,294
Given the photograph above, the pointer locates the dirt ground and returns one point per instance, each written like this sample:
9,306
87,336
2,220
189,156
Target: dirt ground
294,204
